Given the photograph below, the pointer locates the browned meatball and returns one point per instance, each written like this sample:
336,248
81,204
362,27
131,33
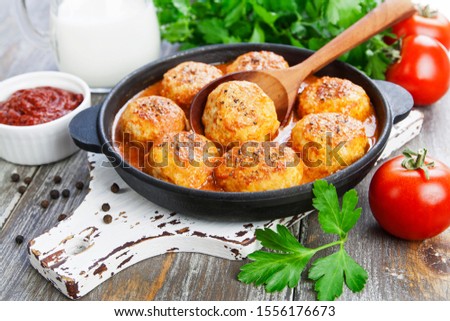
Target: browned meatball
147,119
328,142
184,81
185,159
330,94
257,60
239,111
259,166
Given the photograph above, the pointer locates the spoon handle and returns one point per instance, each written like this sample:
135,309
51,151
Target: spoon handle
380,18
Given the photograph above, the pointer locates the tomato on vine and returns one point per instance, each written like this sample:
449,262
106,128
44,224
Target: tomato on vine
423,69
425,22
410,196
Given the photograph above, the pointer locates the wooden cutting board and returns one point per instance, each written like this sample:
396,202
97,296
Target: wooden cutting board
83,251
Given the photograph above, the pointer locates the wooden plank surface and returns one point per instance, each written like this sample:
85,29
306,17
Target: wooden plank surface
9,195
398,270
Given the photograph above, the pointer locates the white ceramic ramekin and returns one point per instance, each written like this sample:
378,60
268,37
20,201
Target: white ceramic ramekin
43,143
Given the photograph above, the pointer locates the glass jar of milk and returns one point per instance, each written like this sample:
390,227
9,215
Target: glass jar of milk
100,41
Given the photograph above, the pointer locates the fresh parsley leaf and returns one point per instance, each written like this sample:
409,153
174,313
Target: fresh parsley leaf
355,275
213,30
243,30
349,213
327,203
265,15
276,270
288,258
235,14
297,28
316,43
331,218
302,23
343,12
177,30
377,64
280,6
280,240
182,6
169,14
331,271
312,9
295,42
258,34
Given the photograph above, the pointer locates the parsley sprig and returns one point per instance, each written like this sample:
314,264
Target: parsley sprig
301,23
288,258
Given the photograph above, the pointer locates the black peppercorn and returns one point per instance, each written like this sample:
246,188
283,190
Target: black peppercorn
27,180
107,218
45,204
61,217
115,188
15,177
19,239
22,189
79,185
57,179
65,193
105,207
54,194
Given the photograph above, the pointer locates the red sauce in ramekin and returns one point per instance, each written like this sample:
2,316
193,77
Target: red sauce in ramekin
38,105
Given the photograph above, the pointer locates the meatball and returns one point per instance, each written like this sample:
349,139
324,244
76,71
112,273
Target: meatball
328,142
335,95
147,119
256,166
239,111
185,159
257,60
184,81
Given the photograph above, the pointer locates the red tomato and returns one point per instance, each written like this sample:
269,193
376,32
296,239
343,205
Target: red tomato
406,204
423,69
436,26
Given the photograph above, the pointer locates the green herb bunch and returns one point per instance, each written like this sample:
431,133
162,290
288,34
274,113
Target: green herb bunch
301,23
284,264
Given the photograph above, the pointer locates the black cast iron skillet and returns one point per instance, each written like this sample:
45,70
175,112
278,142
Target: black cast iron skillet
92,130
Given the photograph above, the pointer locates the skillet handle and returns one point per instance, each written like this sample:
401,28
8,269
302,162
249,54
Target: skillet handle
83,129
399,99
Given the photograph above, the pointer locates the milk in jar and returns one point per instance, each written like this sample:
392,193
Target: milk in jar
101,41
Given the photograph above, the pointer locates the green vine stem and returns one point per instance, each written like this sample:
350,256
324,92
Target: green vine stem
427,11
416,160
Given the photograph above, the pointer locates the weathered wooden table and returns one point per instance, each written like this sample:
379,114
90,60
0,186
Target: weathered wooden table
398,270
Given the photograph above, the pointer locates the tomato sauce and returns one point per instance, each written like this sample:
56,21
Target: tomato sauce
38,105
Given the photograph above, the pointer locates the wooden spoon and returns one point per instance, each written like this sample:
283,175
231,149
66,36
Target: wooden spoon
282,85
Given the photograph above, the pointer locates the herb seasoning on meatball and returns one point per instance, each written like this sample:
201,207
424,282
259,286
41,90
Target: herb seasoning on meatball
328,142
335,95
239,111
185,159
256,166
257,60
184,81
146,119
